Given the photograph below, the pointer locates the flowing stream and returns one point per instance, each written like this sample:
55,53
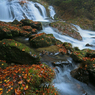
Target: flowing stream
66,85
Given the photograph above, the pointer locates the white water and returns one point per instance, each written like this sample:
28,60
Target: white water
52,12
67,85
63,81
5,13
88,37
43,10
14,10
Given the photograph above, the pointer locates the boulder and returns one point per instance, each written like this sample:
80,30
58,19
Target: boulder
25,33
23,28
27,22
42,40
89,53
61,63
27,28
68,46
81,75
13,51
77,55
66,29
89,45
92,76
8,30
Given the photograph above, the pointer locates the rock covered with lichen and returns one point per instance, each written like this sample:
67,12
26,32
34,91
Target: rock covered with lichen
13,51
86,71
8,31
27,22
23,28
42,40
67,29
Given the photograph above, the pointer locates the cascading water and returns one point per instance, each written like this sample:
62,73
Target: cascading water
13,9
88,37
67,85
42,9
52,12
5,11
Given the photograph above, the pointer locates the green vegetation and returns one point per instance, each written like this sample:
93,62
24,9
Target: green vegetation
67,29
31,80
13,51
76,7
43,40
79,12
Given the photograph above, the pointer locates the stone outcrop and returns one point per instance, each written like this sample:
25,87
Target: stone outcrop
23,28
67,29
42,40
27,22
13,51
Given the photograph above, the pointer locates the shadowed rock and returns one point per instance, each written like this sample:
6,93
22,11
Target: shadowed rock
13,51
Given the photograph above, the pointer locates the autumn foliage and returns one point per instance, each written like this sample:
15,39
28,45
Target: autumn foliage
20,79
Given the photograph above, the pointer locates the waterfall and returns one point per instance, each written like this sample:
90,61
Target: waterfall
14,9
42,9
5,11
52,12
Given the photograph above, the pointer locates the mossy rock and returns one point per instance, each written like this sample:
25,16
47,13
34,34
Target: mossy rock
8,30
27,22
15,22
34,31
89,53
77,56
27,28
68,46
85,73
87,60
84,23
67,29
13,51
23,28
52,49
76,49
25,33
81,75
92,76
42,40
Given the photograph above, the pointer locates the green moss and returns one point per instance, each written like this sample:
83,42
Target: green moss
14,51
43,40
66,29
3,65
27,22
52,48
84,23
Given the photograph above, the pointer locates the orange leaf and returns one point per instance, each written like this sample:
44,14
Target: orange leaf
4,43
23,49
20,82
17,91
15,44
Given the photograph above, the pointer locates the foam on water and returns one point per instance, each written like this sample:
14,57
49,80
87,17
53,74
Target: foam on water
87,36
